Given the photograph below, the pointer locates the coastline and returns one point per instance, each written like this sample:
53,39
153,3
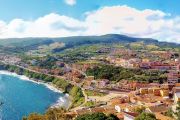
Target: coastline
61,102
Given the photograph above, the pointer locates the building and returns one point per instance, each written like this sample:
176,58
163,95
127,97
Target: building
157,108
164,93
119,100
156,91
103,83
122,107
130,115
176,97
173,78
143,91
150,90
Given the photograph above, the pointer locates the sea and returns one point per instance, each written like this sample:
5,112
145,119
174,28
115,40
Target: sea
19,97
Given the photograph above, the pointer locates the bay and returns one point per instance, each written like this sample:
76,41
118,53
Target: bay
21,97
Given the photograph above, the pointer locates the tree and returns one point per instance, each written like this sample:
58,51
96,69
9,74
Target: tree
177,113
51,114
146,116
112,117
57,114
139,109
35,116
169,113
96,116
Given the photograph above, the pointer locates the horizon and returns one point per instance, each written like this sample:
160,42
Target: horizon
88,36
55,18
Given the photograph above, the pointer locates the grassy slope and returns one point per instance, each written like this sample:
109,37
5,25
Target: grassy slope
26,44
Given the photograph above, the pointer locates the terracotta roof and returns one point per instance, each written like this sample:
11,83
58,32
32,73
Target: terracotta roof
71,113
131,114
155,109
177,84
120,115
98,109
83,111
159,116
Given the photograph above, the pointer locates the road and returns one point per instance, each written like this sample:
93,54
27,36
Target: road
61,77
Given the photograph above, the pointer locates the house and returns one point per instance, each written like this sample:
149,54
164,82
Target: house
176,97
138,85
33,62
82,111
177,85
150,90
160,116
130,115
164,93
143,91
98,109
146,99
60,64
103,83
160,66
156,91
165,86
118,100
145,65
157,108
122,107
173,77
120,116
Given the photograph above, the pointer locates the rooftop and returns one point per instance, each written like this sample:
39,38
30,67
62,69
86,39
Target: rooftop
177,94
131,114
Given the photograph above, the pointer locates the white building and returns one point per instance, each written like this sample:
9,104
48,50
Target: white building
130,116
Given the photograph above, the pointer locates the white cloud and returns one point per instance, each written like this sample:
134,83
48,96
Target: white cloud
70,2
115,19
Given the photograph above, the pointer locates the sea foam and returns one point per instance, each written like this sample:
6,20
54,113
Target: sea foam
62,101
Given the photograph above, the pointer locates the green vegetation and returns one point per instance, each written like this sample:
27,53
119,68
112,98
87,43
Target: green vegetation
74,91
146,116
137,45
78,97
60,83
169,113
139,109
118,73
56,45
152,47
81,53
96,116
51,114
94,93
174,115
90,104
177,113
46,49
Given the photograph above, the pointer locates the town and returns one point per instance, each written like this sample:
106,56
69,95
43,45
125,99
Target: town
122,82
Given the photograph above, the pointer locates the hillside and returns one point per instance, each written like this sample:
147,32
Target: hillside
26,44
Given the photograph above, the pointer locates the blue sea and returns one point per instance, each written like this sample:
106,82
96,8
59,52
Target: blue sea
20,97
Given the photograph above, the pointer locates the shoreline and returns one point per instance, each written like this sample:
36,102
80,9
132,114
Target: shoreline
61,102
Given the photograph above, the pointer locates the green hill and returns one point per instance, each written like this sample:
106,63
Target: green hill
26,44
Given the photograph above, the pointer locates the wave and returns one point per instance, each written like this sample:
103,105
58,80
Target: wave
62,101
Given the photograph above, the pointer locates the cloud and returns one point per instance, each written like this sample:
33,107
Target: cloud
70,2
134,22
115,19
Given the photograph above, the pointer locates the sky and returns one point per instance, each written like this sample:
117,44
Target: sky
158,19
